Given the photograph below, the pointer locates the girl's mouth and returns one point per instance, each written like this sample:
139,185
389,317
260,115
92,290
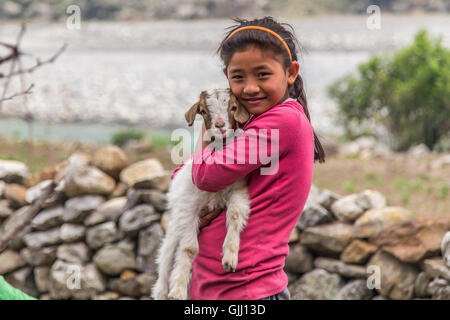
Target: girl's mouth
254,101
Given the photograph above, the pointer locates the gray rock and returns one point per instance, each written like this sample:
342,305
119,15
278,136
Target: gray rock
374,221
39,256
149,242
396,278
439,289
313,216
445,248
42,278
69,280
435,268
350,208
77,253
299,260
13,171
10,261
5,208
72,232
329,239
23,280
35,191
327,198
421,285
107,211
134,287
112,259
317,284
336,266
356,290
48,218
41,239
137,218
155,198
76,209
101,234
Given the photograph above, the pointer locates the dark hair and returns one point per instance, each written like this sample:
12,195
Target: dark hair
265,41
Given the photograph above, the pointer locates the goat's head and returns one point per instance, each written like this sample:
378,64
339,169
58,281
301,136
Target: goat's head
220,110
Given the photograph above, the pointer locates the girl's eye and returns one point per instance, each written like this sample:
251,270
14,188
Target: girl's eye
236,77
263,74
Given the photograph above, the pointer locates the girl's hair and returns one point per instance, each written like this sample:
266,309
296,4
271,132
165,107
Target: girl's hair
265,41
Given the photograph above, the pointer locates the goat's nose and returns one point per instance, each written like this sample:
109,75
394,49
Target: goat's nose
219,123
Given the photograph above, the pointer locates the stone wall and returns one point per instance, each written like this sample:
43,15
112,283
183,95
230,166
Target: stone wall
97,235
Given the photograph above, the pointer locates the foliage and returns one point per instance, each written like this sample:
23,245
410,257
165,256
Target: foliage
408,93
121,137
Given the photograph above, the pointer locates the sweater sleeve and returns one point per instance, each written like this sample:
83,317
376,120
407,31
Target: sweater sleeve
258,147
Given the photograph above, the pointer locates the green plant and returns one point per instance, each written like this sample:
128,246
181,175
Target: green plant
408,93
121,137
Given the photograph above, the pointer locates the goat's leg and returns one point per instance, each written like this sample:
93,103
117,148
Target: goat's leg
186,252
165,261
238,211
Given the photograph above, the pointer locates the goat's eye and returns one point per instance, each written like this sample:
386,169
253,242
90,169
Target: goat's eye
203,112
233,108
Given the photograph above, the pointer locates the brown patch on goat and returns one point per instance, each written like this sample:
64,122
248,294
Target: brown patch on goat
240,114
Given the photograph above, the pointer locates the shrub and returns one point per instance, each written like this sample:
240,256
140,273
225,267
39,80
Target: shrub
121,137
407,92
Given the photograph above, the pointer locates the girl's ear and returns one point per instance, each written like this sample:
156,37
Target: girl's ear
192,112
293,70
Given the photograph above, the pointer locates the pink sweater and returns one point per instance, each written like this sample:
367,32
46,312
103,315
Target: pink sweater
276,201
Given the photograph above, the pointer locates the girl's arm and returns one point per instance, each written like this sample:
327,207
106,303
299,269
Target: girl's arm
214,170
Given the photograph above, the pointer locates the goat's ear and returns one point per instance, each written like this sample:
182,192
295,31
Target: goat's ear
241,115
192,112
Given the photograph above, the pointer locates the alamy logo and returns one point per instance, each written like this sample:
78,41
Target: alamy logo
258,147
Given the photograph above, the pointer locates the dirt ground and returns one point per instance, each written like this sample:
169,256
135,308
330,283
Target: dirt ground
404,181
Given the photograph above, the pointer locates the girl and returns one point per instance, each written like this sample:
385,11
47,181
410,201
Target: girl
262,70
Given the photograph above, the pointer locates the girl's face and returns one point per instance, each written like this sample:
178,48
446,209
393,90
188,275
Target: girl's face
258,79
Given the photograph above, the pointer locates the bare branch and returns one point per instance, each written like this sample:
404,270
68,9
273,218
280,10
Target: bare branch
28,91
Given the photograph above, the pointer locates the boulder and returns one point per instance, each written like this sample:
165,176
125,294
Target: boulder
312,216
356,290
111,160
14,172
358,252
413,240
317,284
72,232
137,218
41,239
39,256
397,278
299,260
99,235
374,221
48,218
337,266
435,268
112,259
10,261
445,248
107,211
77,253
78,208
81,180
348,209
142,171
328,239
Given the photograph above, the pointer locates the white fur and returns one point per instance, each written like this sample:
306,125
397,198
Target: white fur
185,202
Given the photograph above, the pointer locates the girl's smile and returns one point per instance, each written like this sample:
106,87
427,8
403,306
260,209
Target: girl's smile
258,79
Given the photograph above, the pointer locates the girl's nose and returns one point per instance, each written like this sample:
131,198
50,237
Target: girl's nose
251,88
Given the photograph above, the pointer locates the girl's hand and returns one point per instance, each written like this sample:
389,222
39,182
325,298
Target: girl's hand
207,216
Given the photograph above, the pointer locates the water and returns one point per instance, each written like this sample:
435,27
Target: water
116,75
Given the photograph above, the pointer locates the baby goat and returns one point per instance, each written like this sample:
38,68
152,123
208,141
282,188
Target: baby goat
220,111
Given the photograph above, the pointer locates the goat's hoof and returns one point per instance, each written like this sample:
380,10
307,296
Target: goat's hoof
228,267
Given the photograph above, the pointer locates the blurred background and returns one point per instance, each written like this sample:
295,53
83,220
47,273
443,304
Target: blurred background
111,80
132,68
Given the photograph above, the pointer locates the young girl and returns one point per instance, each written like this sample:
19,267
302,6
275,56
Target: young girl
262,70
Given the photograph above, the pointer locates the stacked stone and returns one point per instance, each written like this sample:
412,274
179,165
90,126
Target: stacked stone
98,233
357,248
97,236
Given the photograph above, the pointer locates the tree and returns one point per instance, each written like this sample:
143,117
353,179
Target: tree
407,92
